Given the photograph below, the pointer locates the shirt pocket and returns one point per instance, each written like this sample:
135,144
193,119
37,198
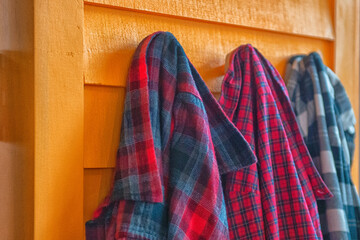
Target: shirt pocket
243,181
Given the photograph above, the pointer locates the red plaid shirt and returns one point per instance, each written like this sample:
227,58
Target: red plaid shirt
175,142
276,197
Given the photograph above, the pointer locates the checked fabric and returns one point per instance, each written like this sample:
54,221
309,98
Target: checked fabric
327,120
176,141
276,197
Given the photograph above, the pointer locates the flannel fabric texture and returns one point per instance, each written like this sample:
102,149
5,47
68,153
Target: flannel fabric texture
327,120
276,197
176,141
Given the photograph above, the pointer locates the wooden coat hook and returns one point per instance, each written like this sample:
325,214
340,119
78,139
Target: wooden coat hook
228,59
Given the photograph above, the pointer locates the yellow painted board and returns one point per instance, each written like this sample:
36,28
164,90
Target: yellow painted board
16,120
112,35
304,17
103,110
59,119
216,95
347,62
97,184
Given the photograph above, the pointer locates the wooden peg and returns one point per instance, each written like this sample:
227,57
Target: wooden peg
228,59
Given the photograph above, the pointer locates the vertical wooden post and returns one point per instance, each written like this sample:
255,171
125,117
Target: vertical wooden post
347,61
59,96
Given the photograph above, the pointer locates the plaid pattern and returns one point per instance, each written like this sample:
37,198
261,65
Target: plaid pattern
327,122
175,142
275,198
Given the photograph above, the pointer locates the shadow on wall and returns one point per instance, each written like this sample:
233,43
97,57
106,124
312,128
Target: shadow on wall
16,144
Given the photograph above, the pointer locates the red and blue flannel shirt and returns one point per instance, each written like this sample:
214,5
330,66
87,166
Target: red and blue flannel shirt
176,141
276,197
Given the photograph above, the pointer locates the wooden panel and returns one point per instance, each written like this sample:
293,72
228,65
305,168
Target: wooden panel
111,36
59,119
217,95
347,62
97,184
304,17
102,121
16,119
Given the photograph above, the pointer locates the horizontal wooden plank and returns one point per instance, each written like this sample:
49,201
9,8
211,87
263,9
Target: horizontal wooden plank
112,35
216,95
97,184
103,109
304,17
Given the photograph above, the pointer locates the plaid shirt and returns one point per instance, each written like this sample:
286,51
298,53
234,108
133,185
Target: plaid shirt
275,198
327,122
175,142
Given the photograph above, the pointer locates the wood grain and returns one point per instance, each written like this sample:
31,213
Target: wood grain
112,35
103,109
303,17
347,62
59,100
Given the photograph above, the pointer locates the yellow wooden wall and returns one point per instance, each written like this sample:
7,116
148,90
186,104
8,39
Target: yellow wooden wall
208,31
78,58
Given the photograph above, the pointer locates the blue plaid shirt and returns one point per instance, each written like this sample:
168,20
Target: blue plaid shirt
176,142
327,122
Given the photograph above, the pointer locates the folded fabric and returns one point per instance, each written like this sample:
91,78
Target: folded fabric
327,122
275,198
175,143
